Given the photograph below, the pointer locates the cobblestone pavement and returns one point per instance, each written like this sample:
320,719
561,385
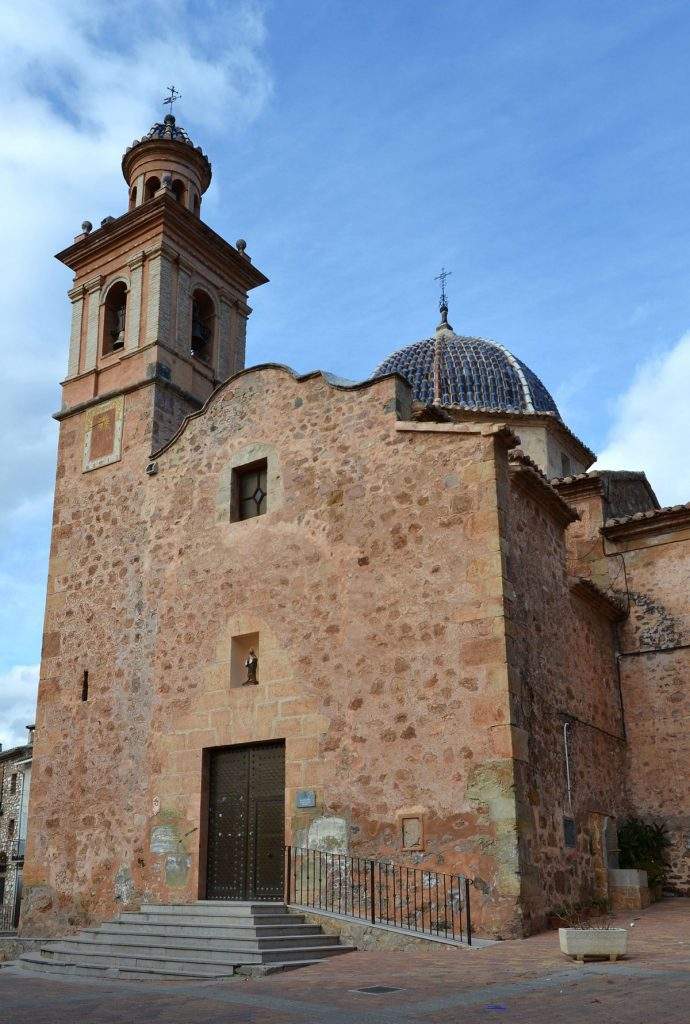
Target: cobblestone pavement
519,982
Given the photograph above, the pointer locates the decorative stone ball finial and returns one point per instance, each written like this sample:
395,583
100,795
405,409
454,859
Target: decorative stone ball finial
241,245
86,226
107,220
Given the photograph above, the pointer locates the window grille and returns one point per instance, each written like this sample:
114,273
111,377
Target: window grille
252,490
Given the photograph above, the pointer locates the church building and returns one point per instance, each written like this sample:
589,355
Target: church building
400,619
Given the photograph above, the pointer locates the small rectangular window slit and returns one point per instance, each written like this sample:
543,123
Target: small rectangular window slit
85,686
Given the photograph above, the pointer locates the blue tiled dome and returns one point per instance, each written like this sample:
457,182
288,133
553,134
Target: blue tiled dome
474,374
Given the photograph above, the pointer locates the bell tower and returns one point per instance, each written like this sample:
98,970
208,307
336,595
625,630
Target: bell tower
159,299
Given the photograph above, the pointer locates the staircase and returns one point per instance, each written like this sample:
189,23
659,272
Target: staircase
208,939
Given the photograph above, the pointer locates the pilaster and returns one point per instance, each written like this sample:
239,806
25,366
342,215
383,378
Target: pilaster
133,322
225,346
76,296
93,291
239,314
160,295
184,307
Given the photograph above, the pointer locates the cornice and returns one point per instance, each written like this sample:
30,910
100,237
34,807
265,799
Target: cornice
63,414
530,419
648,524
137,261
526,474
163,212
610,607
579,486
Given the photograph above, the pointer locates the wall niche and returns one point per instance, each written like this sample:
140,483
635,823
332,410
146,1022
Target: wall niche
241,648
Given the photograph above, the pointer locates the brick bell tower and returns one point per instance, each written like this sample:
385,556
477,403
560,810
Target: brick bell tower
159,299
159,311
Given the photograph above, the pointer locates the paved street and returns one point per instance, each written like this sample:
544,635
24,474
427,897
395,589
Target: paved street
527,982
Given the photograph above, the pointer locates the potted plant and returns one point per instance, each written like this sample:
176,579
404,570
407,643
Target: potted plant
596,938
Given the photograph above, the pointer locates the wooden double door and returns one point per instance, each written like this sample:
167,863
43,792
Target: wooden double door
246,822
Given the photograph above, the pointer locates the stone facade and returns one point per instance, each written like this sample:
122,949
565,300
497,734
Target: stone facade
15,785
444,637
643,557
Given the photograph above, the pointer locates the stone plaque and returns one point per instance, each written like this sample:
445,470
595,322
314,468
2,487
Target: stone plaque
306,798
412,833
328,834
164,839
103,434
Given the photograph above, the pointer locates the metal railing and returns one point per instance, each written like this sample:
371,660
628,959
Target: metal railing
414,899
18,849
10,897
8,921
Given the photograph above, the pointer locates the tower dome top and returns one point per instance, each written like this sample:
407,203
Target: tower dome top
470,373
167,147
168,128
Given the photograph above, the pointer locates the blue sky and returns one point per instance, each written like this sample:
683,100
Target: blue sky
540,150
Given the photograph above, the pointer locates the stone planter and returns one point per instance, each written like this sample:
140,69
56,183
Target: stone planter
579,943
628,889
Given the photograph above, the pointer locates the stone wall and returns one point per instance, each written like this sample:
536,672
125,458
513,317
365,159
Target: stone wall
645,562
13,783
375,583
655,686
367,936
563,671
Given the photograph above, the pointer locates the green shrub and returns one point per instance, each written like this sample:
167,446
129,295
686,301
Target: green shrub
643,845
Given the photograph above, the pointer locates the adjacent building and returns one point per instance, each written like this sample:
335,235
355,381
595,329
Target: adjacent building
15,784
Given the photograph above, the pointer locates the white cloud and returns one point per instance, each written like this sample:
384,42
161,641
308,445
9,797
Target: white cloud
651,422
18,688
79,81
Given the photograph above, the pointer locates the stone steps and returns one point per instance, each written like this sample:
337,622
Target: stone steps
199,940
233,952
206,933
35,963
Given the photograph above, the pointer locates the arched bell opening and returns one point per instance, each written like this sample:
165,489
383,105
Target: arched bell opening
151,187
114,320
179,191
203,324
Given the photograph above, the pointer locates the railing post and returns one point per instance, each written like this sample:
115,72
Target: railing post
468,917
288,873
371,892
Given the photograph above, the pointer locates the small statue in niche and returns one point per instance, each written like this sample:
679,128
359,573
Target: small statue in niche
251,664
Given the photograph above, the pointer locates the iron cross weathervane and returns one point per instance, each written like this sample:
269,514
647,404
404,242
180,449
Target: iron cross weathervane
174,95
443,277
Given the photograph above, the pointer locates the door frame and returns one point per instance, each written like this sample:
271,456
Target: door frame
206,756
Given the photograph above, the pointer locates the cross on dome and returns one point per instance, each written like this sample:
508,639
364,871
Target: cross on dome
174,95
